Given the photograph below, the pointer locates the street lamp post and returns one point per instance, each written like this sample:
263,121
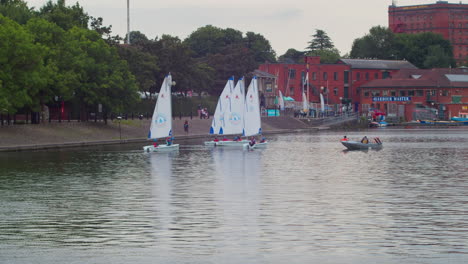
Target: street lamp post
119,118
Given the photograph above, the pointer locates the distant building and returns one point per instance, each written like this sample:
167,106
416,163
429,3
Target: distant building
339,82
414,94
449,20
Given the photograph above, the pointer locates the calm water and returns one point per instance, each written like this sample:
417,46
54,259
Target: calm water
301,200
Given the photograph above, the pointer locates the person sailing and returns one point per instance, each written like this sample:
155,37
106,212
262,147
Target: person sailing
345,138
169,141
252,141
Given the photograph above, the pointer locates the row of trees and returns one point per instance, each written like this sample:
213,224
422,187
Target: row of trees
424,50
52,54
61,53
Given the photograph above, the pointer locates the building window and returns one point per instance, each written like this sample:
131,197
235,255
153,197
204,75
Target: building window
292,73
445,93
375,93
269,87
325,76
358,76
402,93
385,93
411,93
335,76
335,91
291,90
419,93
366,93
376,75
393,93
314,76
367,76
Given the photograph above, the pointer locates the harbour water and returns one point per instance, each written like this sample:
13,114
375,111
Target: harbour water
303,199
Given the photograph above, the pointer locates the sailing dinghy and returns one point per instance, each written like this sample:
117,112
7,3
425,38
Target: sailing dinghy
234,116
253,121
161,123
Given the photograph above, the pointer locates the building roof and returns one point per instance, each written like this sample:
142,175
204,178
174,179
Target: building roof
378,64
423,78
262,74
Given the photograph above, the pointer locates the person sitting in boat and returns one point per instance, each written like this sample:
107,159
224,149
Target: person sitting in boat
169,141
345,138
225,139
237,138
216,139
365,140
263,140
252,141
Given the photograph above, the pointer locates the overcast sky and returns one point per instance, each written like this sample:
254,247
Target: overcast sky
286,24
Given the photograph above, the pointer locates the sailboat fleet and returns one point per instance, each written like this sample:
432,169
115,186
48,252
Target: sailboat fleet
237,113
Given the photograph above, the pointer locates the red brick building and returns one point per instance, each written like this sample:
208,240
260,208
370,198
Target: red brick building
413,94
449,20
338,82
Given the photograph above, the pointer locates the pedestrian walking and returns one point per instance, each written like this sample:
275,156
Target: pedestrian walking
186,127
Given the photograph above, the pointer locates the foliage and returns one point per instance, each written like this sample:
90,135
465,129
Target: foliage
292,56
17,10
142,64
379,43
65,17
326,55
320,41
21,67
261,48
424,50
416,48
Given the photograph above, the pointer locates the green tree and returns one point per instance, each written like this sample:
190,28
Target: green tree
379,43
292,56
320,41
417,47
16,10
437,57
137,38
142,64
65,17
103,77
21,67
260,46
326,55
211,40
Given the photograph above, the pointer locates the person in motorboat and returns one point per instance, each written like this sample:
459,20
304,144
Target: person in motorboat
155,143
252,141
345,138
263,140
377,140
225,139
216,139
365,140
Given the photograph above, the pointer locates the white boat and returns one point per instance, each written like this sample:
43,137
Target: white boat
229,114
253,121
161,123
355,145
223,105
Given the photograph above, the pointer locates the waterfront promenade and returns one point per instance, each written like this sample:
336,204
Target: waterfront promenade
70,134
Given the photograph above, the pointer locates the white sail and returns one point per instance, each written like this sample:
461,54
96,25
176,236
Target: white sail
305,103
224,104
234,119
252,120
322,104
281,101
161,123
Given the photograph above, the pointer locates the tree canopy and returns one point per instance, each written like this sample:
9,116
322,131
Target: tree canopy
424,50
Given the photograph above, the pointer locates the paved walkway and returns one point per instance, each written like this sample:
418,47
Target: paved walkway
55,135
